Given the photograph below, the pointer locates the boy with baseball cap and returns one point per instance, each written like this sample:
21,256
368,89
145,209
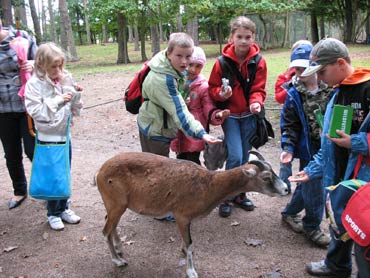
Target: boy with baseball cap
300,138
337,158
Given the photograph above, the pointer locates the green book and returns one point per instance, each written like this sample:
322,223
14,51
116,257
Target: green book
341,120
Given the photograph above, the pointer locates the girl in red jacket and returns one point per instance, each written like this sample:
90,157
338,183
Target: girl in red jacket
240,126
200,105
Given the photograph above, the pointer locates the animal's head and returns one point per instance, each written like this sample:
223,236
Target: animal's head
269,183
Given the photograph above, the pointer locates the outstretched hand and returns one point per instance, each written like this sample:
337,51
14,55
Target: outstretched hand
210,139
299,177
344,141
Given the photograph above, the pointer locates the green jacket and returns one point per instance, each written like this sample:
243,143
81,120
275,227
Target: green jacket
161,91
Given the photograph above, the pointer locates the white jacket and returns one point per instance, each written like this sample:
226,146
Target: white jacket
44,103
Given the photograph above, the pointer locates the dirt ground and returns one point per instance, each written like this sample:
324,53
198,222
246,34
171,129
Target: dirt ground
29,248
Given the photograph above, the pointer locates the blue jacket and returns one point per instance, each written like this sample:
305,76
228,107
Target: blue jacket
324,162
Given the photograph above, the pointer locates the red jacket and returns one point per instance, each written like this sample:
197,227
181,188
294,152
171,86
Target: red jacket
200,105
238,103
282,85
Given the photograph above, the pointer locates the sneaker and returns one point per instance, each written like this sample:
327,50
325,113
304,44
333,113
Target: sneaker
294,222
319,269
225,209
70,217
243,202
318,237
55,223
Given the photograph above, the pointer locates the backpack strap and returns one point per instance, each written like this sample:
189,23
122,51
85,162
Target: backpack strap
229,70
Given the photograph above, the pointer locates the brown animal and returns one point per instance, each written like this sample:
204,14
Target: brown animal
156,186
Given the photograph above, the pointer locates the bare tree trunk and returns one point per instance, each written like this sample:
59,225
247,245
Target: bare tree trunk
122,40
7,17
314,28
43,21
322,27
179,23
66,22
142,32
36,23
192,29
87,23
130,33
156,46
53,30
104,33
263,44
136,36
286,40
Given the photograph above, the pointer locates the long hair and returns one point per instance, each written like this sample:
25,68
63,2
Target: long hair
46,55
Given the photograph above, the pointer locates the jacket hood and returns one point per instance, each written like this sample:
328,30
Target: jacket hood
161,64
360,75
229,51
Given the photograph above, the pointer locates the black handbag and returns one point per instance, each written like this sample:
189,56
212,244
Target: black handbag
263,130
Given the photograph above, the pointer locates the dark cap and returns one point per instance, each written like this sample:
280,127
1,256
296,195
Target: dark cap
326,51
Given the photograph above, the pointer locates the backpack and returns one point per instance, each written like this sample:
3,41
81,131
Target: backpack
356,216
229,71
133,97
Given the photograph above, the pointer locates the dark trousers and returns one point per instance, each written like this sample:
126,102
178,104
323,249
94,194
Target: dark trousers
192,156
14,130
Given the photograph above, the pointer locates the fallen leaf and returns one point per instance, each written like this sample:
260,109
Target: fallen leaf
83,238
171,239
10,248
123,239
132,219
45,235
3,233
182,262
253,242
235,223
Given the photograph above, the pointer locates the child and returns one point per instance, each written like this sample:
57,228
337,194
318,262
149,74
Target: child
282,85
239,127
200,105
51,97
300,138
337,157
164,111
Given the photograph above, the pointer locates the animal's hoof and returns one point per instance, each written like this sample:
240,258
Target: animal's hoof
119,263
191,273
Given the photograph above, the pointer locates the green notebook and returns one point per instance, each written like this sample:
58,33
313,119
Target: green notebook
341,119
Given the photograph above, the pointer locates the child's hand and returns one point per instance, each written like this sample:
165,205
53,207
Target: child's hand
226,93
67,97
222,115
187,101
210,139
255,108
299,177
286,157
78,88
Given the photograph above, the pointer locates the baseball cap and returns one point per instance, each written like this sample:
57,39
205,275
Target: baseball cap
198,56
326,51
300,56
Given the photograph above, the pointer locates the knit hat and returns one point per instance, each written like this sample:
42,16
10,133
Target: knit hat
300,56
327,51
198,56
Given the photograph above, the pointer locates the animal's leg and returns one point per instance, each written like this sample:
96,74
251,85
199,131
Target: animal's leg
110,231
184,227
117,243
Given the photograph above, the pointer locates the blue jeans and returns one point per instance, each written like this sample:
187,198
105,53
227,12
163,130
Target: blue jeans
56,207
285,172
237,134
14,130
363,265
339,256
311,197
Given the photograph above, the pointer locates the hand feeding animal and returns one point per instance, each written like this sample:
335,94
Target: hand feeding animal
154,185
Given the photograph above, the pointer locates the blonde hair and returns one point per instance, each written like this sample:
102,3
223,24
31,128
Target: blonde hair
180,39
242,22
46,55
300,42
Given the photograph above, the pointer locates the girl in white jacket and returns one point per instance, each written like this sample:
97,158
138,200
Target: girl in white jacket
51,97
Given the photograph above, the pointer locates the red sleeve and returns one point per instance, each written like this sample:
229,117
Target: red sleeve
280,90
215,83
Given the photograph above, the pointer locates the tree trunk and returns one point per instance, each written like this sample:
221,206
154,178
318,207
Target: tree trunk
43,22
122,39
78,19
322,27
179,23
142,32
286,41
156,46
348,34
36,24
314,28
53,30
192,29
104,34
130,33
87,23
66,22
7,17
136,36
264,36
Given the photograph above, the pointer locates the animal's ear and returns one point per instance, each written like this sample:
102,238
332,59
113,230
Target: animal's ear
266,175
250,172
